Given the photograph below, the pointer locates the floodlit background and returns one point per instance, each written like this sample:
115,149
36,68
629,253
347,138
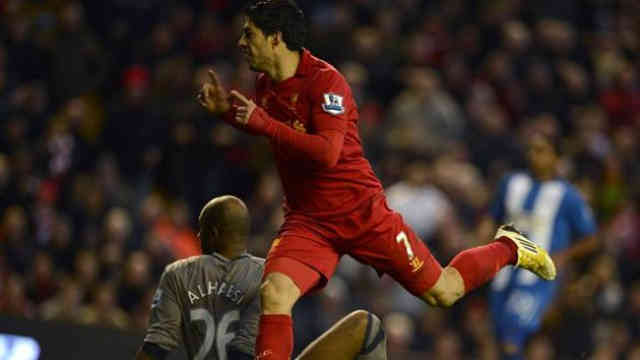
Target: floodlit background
106,158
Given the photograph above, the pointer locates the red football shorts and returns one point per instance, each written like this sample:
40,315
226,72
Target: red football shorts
308,250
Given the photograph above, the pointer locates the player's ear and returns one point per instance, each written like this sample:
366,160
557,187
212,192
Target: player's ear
276,39
208,239
214,232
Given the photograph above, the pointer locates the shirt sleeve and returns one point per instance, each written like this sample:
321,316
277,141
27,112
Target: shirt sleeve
331,101
166,318
245,339
331,105
230,118
581,220
497,208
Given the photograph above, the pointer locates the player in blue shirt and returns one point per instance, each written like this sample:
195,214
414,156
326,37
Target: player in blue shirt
554,215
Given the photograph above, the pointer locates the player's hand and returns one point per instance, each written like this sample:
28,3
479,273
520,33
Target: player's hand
212,96
244,109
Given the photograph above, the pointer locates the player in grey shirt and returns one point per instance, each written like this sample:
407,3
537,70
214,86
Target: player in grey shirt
211,303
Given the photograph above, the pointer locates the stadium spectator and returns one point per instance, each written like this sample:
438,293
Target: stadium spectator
70,296
14,301
42,284
103,309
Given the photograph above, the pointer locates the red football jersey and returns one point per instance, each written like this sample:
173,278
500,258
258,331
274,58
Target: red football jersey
319,157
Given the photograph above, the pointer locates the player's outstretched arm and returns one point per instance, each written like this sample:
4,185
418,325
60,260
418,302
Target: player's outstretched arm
358,335
583,229
163,333
322,147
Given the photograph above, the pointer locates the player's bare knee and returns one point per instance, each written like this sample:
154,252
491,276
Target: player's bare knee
447,290
273,300
441,299
429,299
359,315
278,294
355,324
359,318
447,299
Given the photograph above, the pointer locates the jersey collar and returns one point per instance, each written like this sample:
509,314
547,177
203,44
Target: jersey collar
303,69
226,259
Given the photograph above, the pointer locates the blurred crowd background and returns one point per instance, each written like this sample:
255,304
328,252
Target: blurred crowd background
106,158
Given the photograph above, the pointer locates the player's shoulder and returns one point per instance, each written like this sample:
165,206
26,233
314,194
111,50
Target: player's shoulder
321,70
247,269
250,260
571,191
186,263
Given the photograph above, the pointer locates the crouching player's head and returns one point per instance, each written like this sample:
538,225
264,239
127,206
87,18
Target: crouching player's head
224,226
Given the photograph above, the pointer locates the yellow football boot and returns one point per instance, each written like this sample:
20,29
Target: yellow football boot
530,255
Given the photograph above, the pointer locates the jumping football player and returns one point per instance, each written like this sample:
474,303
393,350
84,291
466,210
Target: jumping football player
552,213
334,204
211,303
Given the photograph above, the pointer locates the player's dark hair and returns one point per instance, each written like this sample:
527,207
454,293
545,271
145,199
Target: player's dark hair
284,16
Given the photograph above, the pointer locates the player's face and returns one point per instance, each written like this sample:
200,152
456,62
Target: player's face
256,47
541,155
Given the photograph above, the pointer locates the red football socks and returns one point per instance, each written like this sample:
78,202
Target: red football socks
275,338
480,264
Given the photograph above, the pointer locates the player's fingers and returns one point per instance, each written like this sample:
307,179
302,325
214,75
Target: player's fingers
214,77
203,90
209,92
241,111
236,95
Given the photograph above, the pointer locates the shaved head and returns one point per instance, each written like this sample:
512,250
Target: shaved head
224,224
